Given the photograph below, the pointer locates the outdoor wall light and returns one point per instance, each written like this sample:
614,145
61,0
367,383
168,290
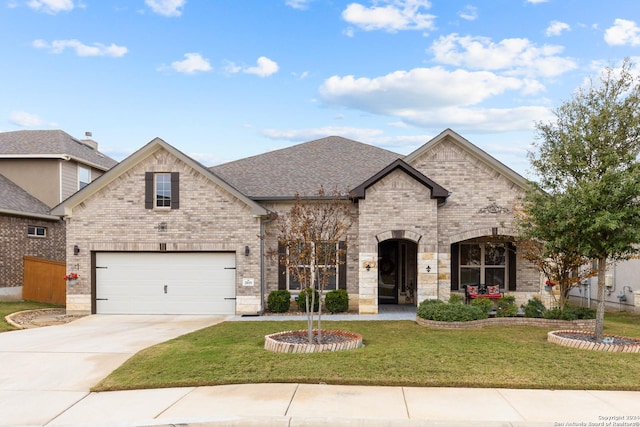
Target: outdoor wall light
368,267
428,268
76,250
246,251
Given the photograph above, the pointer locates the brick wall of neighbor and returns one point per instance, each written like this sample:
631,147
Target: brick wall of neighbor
396,203
481,198
209,219
16,243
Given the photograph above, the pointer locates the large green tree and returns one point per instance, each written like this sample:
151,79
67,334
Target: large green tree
586,162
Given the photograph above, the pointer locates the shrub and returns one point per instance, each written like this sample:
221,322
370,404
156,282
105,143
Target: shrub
485,304
570,313
507,307
456,299
279,301
439,311
534,308
302,299
337,301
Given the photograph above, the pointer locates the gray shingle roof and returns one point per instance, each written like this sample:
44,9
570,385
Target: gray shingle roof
14,198
52,142
333,162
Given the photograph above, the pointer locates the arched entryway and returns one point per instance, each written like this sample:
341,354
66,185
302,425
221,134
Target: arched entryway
397,271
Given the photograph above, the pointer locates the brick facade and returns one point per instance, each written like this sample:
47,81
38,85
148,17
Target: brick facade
16,244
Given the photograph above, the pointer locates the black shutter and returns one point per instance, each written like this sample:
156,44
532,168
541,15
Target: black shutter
282,269
342,269
455,264
511,249
175,190
148,190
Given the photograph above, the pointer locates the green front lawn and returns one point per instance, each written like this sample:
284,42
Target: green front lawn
395,353
7,308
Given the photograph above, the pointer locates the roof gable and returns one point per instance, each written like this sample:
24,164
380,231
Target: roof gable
14,200
332,162
66,207
466,145
52,144
437,192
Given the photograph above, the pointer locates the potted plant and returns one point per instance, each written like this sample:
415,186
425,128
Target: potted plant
71,278
548,285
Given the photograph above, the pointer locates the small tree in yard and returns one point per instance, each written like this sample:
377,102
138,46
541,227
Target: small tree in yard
313,235
588,198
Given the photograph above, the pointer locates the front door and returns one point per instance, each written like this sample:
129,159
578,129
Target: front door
397,272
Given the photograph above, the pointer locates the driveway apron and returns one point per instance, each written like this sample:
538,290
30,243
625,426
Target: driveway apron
45,371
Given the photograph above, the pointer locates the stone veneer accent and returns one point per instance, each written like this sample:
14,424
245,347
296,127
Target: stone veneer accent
271,342
586,345
509,321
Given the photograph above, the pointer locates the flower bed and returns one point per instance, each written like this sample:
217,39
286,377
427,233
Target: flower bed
296,342
586,341
510,321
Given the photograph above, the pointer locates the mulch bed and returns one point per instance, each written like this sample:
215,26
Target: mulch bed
41,317
614,340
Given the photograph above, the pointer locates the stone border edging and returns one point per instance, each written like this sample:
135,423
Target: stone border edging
509,321
272,344
588,345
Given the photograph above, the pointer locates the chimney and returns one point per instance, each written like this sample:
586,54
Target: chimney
89,142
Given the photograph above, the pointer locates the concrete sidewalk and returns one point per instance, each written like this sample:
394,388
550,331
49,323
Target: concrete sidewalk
336,405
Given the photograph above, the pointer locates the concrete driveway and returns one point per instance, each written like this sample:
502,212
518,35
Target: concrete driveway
46,370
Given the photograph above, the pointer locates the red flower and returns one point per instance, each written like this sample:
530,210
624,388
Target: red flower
549,283
71,276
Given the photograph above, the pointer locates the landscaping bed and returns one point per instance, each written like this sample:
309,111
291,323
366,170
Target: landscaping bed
510,321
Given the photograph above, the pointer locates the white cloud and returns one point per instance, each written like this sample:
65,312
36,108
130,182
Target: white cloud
192,63
556,28
623,32
25,119
537,1
166,7
359,134
51,6
81,49
435,97
264,68
469,13
390,16
298,4
514,56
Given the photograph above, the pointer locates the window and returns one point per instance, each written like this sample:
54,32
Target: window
84,177
331,268
483,263
162,190
36,231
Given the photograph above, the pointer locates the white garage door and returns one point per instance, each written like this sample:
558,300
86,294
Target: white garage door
165,283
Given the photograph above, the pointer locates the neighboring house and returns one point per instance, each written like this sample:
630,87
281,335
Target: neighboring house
161,233
50,164
622,287
39,169
26,228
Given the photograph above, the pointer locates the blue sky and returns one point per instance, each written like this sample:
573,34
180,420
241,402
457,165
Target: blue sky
225,79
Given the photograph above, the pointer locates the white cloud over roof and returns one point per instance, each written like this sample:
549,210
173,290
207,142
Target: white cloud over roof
193,63
390,15
517,56
51,6
81,49
556,28
166,7
623,32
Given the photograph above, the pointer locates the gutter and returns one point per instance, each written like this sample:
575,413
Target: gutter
30,215
65,157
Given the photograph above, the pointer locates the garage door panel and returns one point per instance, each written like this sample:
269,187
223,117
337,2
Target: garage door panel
165,283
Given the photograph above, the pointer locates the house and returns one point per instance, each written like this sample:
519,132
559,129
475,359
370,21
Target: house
161,233
38,170
50,165
26,228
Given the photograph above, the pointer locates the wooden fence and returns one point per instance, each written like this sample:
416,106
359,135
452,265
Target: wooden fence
43,281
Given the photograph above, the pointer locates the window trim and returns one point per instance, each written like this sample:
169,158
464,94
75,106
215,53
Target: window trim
82,168
482,267
150,191
336,266
35,233
341,267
